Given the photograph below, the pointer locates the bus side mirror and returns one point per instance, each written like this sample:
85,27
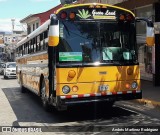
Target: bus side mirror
53,34
150,40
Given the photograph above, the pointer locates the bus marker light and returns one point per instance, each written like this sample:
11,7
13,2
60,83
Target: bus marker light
72,15
104,6
71,74
91,6
98,6
127,85
122,17
75,88
97,63
129,17
63,15
66,89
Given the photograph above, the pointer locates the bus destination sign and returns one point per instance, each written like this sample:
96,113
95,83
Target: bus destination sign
85,14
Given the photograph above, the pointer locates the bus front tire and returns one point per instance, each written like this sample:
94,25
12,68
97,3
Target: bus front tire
23,89
44,98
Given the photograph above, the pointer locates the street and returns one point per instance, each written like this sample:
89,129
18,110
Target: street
25,109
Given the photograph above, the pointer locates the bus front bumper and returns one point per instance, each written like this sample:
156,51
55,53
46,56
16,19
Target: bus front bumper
90,98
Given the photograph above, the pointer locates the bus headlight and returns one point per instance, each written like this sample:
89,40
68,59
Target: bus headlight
66,89
134,85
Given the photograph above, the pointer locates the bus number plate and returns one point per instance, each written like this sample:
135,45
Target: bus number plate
103,88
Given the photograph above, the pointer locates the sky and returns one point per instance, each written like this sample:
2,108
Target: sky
19,9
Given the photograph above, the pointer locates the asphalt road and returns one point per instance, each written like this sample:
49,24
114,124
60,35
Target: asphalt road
25,110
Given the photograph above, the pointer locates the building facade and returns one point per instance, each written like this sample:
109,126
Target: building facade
3,57
35,20
8,41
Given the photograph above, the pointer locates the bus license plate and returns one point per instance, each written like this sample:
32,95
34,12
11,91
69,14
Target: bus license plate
103,87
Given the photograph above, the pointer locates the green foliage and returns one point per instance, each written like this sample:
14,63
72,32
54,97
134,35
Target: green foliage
83,14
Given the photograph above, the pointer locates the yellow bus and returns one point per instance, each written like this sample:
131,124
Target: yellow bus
85,53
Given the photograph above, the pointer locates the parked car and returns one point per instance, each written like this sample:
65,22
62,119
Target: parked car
1,68
10,70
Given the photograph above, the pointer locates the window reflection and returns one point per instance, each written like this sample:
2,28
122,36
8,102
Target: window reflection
97,41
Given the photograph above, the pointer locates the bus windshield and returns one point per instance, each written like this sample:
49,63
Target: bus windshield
95,41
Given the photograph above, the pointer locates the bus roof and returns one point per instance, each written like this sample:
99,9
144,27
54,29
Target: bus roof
89,4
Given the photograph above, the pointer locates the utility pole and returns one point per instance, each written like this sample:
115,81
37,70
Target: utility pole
156,76
13,23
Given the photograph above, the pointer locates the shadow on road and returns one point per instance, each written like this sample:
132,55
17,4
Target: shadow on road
27,108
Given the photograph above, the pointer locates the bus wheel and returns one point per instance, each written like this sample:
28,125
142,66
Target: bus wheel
23,89
44,98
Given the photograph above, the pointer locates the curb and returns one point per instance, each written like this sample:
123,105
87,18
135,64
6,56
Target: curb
148,102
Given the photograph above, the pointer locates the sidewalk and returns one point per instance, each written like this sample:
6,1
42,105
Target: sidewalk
150,93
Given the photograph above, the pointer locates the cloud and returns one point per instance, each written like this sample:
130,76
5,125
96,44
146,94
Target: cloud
6,25
42,0
3,0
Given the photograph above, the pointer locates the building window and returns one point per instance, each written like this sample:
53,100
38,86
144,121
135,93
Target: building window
5,39
37,25
33,27
28,29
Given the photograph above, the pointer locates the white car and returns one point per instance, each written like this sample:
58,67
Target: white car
10,70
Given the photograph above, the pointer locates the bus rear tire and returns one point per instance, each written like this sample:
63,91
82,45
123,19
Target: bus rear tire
23,89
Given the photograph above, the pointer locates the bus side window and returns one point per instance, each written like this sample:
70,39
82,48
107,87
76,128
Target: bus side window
17,51
35,44
21,50
24,49
38,43
32,46
41,41
27,48
45,40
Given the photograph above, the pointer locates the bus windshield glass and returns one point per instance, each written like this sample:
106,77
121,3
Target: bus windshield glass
95,41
